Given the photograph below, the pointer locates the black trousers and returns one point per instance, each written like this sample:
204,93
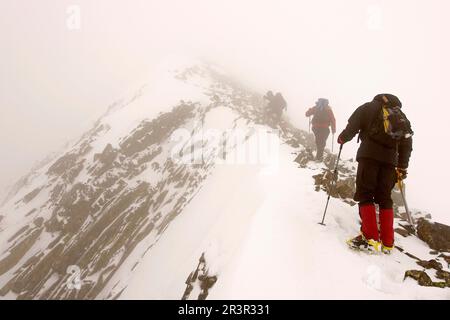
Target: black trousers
374,183
321,135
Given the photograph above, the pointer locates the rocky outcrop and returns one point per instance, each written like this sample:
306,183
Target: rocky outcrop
423,279
157,130
30,196
436,235
446,259
199,280
343,187
439,265
304,157
430,264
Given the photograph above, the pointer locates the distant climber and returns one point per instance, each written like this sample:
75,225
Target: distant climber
323,118
275,106
383,157
269,97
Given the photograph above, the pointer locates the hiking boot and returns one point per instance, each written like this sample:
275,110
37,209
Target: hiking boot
385,249
361,243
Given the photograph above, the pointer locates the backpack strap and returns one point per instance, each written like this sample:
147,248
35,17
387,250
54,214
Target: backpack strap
386,122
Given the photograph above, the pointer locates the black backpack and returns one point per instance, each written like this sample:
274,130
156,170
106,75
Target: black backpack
389,126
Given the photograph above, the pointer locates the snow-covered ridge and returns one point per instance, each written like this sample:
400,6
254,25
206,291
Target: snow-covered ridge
113,193
118,215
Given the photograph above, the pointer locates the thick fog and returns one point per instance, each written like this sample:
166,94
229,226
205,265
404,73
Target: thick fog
63,62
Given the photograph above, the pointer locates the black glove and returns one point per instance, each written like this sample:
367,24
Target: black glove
340,140
402,173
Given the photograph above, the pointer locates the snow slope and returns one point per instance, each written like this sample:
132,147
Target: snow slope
263,241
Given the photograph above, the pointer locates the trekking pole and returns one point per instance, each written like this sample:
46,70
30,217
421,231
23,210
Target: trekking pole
332,143
333,184
309,125
401,186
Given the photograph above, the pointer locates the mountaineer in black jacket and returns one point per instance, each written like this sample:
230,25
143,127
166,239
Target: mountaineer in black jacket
383,157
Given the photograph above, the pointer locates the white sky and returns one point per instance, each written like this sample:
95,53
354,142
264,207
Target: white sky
54,80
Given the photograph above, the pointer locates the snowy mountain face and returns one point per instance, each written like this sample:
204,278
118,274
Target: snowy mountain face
185,190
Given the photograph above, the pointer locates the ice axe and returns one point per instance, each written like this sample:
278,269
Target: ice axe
401,187
333,184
